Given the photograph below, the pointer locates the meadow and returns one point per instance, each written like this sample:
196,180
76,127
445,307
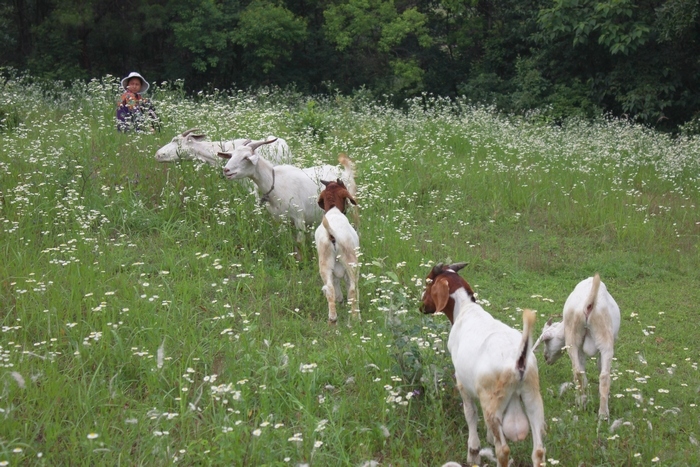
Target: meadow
153,314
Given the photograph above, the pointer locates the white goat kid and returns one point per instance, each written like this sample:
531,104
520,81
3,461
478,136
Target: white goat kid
287,191
493,364
192,145
590,326
338,245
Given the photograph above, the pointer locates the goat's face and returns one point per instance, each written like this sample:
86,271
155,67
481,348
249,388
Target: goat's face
241,162
442,282
334,195
553,340
180,147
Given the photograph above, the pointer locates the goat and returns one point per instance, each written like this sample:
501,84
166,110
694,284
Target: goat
192,145
336,195
287,191
493,363
338,246
590,326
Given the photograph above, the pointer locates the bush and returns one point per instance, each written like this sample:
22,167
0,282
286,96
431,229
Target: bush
9,119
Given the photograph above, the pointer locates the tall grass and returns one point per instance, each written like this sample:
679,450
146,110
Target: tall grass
154,314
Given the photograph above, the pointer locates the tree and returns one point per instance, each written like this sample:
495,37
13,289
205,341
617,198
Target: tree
377,37
267,33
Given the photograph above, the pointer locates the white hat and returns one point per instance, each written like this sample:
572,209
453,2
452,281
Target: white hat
133,74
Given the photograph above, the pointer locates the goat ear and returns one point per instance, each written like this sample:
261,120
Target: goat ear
321,200
351,199
253,158
441,293
224,155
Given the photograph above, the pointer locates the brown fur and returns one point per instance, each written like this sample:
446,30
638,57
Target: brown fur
335,195
439,287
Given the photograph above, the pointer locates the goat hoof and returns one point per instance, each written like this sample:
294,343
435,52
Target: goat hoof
333,321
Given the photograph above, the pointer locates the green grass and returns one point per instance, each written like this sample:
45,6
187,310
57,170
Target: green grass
154,314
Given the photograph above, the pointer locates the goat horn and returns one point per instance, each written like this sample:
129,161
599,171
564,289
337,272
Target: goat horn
537,343
187,132
437,269
457,266
325,183
257,144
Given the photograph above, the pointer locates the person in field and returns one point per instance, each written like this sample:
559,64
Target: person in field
135,112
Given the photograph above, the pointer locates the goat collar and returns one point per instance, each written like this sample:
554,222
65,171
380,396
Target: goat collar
266,197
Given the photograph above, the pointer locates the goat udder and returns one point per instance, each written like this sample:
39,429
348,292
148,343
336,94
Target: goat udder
515,424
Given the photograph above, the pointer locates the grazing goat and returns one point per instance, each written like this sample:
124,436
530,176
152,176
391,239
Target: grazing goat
590,326
338,246
287,191
191,145
493,364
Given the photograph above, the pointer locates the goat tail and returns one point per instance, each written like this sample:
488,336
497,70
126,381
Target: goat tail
526,343
592,296
326,225
349,175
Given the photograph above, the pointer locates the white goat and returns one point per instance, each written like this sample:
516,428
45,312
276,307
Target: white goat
338,246
590,327
288,191
192,145
493,364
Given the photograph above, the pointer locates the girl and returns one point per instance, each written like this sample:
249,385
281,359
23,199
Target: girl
135,112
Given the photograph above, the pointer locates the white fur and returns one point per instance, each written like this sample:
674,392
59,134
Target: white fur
590,327
338,260
295,190
483,350
191,146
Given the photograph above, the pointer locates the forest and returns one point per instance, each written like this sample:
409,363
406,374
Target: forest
550,58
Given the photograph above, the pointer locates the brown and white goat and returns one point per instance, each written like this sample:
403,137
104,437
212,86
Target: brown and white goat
493,364
338,246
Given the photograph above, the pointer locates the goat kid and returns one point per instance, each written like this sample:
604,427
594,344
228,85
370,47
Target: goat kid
287,191
192,145
493,364
338,247
590,326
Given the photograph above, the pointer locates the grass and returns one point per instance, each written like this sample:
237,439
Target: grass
153,314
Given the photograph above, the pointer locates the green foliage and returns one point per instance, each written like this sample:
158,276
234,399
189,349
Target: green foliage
531,86
204,30
572,100
487,88
9,118
377,31
634,59
270,32
615,23
408,76
154,313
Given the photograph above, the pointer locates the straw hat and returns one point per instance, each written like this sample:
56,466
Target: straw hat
133,74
